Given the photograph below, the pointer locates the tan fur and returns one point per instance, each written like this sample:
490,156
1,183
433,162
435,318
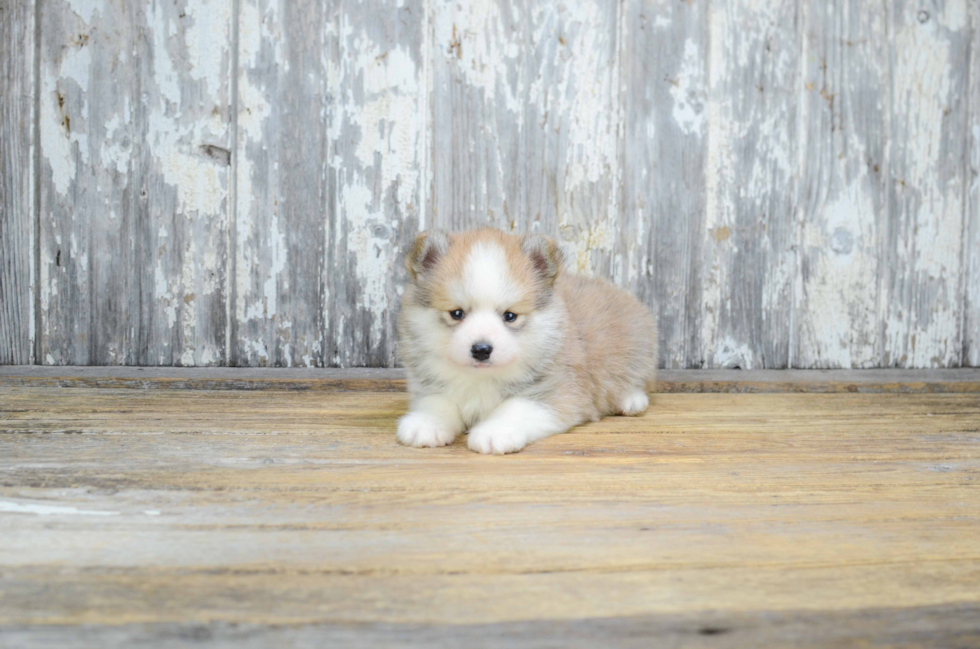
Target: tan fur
612,347
596,344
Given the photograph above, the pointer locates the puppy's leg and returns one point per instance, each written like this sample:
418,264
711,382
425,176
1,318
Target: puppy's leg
431,421
513,425
634,403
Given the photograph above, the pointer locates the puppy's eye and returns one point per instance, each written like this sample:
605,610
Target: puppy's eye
509,316
456,314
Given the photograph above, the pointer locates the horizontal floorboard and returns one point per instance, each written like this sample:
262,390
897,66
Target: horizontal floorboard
952,626
292,518
393,380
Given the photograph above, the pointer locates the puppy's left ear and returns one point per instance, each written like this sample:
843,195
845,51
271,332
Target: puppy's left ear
544,254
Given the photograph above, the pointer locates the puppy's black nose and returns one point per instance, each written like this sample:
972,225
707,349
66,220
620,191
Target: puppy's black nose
481,351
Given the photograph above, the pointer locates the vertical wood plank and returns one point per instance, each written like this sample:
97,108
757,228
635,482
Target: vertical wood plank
573,142
479,90
89,103
282,210
17,183
665,88
134,146
843,167
971,245
748,253
185,49
921,309
378,124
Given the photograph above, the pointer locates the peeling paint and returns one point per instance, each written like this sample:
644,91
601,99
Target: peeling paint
86,9
928,194
843,293
452,115
688,91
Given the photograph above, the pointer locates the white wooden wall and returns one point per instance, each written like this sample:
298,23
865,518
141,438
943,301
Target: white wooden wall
790,183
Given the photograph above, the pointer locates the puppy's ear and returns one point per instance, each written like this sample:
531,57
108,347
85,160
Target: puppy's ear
429,247
544,254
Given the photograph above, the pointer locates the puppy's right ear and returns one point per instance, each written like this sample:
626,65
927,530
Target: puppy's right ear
544,254
429,247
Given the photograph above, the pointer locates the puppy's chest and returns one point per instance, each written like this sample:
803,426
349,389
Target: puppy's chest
475,400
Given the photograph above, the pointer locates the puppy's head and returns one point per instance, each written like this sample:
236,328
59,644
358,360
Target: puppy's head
480,299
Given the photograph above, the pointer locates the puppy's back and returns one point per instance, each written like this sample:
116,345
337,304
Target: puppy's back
618,335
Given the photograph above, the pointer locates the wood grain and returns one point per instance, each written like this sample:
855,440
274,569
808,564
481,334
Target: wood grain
923,236
748,257
377,162
393,380
479,131
573,141
953,626
17,214
135,144
282,213
971,242
787,184
665,66
843,206
161,512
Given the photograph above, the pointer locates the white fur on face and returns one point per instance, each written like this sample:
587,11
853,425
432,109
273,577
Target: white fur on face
486,278
484,292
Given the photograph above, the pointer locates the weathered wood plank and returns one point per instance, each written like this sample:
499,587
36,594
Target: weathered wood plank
951,625
573,143
479,92
134,143
971,243
842,207
748,256
378,128
90,210
280,508
17,214
393,380
922,243
664,82
283,213
185,89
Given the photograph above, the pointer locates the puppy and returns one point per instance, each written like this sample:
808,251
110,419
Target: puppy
499,341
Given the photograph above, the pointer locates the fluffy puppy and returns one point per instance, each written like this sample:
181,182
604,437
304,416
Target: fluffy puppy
499,341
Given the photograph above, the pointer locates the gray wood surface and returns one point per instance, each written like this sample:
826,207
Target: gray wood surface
971,244
135,146
281,220
787,184
478,105
16,182
842,204
665,90
378,128
922,241
748,256
359,379
954,626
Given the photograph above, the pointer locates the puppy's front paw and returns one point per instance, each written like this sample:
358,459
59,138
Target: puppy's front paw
492,438
635,404
421,429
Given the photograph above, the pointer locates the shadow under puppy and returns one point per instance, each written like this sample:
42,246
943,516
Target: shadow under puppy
498,340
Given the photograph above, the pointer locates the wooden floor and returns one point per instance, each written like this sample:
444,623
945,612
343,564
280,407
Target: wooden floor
290,517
